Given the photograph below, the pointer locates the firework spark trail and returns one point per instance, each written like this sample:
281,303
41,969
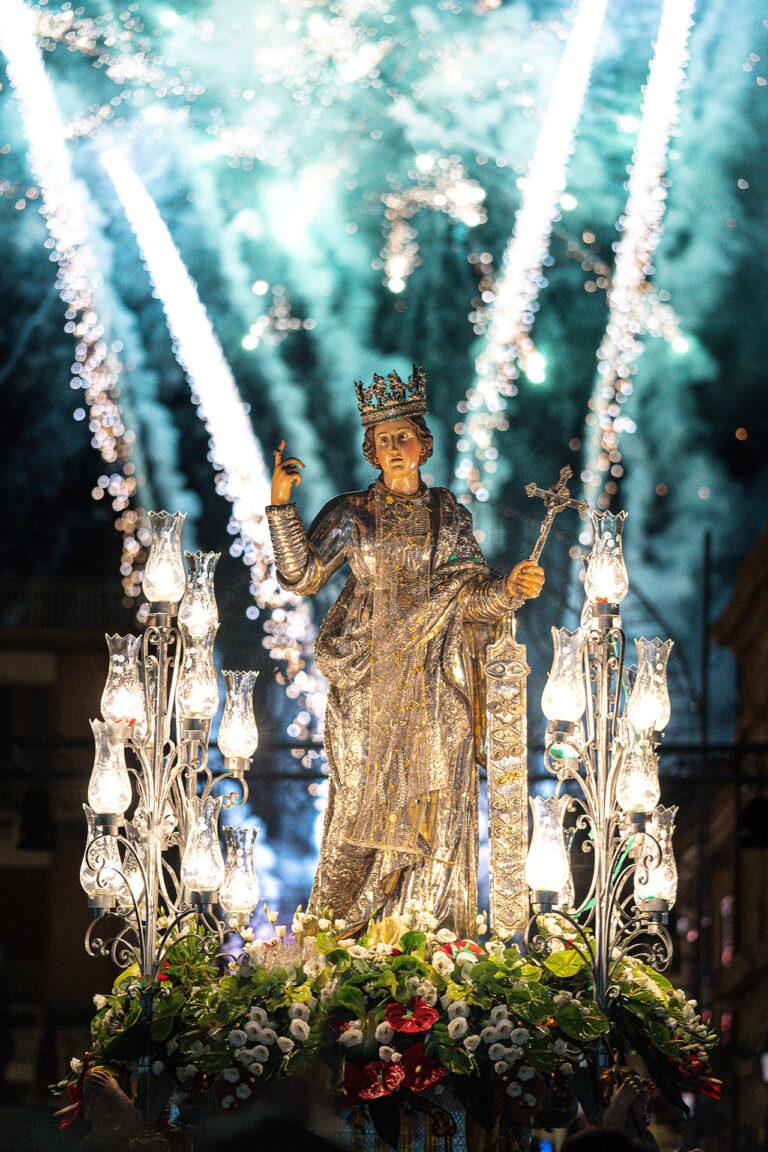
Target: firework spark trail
640,227
242,474
65,208
512,311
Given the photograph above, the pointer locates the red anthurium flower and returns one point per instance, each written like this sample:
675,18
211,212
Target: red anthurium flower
72,1110
461,950
421,1071
163,975
416,1016
373,1081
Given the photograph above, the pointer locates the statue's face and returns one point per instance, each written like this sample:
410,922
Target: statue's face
398,449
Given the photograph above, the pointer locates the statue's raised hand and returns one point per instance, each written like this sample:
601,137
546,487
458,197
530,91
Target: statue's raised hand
525,579
285,475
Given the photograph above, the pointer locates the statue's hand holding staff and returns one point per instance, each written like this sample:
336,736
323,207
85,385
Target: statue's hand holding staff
285,475
526,579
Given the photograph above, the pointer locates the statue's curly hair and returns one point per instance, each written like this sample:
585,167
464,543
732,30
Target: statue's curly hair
420,427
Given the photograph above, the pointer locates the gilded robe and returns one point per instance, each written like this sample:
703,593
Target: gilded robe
400,650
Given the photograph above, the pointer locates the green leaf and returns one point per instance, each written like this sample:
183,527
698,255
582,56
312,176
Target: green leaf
580,1025
455,1059
414,942
161,1027
325,944
410,964
385,1117
348,996
564,964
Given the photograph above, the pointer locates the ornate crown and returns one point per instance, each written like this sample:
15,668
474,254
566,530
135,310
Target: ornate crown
390,399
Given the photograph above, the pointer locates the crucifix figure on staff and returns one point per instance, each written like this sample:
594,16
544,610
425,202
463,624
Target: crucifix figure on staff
402,650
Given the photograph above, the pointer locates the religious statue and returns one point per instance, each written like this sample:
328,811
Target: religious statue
402,652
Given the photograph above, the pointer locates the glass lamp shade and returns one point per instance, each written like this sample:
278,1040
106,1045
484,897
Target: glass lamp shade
637,788
122,700
238,734
202,865
546,867
606,577
164,575
109,790
649,707
198,691
197,611
659,882
239,893
565,694
100,869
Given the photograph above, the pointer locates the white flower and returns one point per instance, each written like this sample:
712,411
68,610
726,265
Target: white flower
314,966
347,942
359,951
187,1071
76,1065
245,1056
384,1032
442,964
471,1042
247,934
489,1035
323,924
559,1047
351,1037
339,925
252,1030
237,1038
298,1012
231,1075
566,1069
386,1053
100,1001
243,1091
285,1044
268,1036
525,1072
457,1028
157,1067
257,1070
384,949
529,1099
504,1029
520,1036
500,1067
500,1012
171,1047
458,1008
428,993
495,948
514,1053
562,998
445,936
689,1012
299,1029
497,1052
260,1054
412,984
514,1089
227,1101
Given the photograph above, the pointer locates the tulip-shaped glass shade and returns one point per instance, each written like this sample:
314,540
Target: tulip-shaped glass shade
100,869
637,788
565,694
239,893
122,701
546,866
659,882
238,734
202,865
198,690
197,611
164,575
649,699
606,577
109,790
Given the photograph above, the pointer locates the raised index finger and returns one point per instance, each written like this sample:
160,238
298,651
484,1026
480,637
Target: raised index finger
278,454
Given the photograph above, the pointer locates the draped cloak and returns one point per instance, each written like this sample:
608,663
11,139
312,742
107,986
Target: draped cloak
401,650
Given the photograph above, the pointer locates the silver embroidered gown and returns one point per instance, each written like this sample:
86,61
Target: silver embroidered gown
399,649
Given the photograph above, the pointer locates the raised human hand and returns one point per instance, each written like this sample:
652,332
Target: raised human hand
526,579
285,475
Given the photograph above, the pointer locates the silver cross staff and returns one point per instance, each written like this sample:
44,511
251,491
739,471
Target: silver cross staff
555,498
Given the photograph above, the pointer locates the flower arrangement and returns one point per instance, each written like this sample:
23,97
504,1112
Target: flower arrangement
392,1014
